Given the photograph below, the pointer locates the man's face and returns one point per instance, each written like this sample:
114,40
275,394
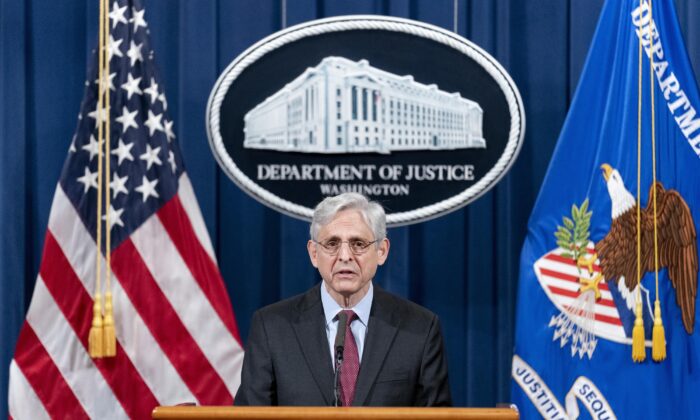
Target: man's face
347,275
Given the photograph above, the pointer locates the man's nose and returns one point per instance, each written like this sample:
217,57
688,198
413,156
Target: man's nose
344,253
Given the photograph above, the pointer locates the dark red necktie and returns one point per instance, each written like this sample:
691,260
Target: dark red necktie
351,363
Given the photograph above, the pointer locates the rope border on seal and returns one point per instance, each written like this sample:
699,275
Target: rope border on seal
362,22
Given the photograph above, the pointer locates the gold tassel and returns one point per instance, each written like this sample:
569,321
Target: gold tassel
638,350
658,343
110,340
95,340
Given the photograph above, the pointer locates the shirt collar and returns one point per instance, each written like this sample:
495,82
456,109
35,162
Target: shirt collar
331,307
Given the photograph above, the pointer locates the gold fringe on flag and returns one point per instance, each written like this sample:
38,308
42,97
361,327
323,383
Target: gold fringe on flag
638,350
96,337
110,340
658,343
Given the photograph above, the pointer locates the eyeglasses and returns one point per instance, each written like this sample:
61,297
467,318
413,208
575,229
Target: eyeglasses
357,246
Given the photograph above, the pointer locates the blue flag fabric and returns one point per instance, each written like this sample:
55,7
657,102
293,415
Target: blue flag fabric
575,310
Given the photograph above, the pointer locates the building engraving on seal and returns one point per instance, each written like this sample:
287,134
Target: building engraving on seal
344,106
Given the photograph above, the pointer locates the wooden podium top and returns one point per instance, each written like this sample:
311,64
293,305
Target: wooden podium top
334,413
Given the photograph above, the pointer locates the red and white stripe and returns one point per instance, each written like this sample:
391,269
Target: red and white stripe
559,278
177,339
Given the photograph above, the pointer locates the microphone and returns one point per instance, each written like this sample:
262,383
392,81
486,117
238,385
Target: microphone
340,335
339,346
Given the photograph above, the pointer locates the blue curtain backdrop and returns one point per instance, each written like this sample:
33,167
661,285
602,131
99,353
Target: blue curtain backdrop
463,266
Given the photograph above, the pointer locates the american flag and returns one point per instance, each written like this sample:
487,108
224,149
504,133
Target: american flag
177,339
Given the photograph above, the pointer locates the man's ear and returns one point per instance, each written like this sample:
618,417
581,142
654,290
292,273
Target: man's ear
383,251
313,252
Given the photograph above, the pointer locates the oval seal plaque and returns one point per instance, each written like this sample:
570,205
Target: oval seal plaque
406,113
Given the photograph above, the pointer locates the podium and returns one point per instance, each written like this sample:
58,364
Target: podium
333,413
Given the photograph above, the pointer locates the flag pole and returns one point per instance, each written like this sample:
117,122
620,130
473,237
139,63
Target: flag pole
96,335
110,342
638,350
658,335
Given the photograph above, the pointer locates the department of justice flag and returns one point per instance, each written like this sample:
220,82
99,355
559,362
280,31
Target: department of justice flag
579,291
177,339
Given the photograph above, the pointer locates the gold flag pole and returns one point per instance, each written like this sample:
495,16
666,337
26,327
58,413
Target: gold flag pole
638,350
658,335
96,336
110,343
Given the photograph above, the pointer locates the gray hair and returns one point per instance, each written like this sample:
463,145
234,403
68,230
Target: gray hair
371,211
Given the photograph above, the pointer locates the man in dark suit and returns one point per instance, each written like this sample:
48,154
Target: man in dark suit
393,349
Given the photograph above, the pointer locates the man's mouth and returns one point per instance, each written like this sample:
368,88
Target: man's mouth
345,273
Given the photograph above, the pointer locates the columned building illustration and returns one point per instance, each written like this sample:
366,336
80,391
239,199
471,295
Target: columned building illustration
343,106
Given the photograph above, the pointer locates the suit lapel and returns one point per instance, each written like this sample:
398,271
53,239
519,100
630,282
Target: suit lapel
311,334
382,329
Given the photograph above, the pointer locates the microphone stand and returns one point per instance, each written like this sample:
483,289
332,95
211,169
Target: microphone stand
339,348
336,376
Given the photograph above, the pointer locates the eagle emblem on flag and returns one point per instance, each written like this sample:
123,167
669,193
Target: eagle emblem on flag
594,285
